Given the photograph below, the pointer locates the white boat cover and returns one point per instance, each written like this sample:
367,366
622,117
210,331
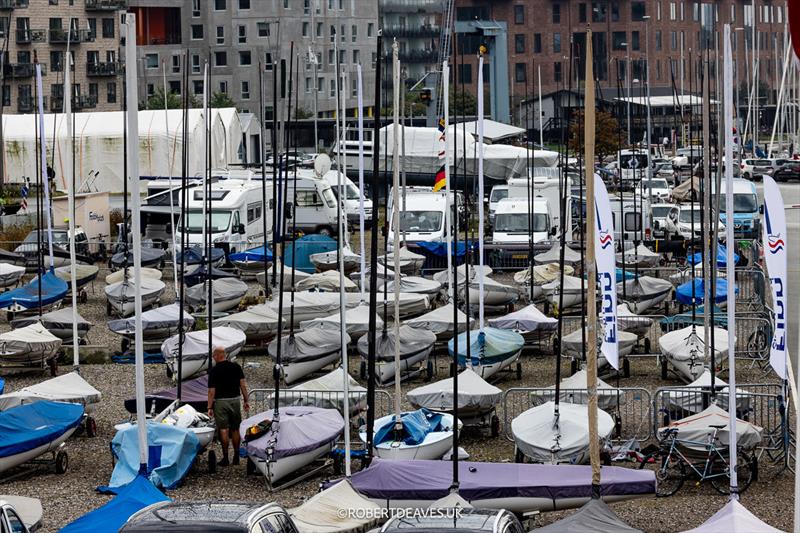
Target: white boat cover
538,437
410,304
257,322
627,320
116,277
416,285
698,428
195,344
595,516
307,345
542,274
572,344
287,275
160,318
381,272
28,344
223,290
82,273
10,274
573,390
328,393
572,285
322,513
60,319
692,400
410,262
683,345
451,501
327,281
474,394
71,388
310,305
441,276
412,342
644,288
440,322
529,318
553,255
356,321
733,518
123,291
640,256
330,260
494,292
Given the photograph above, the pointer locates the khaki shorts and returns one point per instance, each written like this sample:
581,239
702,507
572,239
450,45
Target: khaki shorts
228,413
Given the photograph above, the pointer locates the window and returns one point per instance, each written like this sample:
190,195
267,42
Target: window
219,5
634,40
242,34
615,12
520,72
638,11
557,71
197,86
92,57
196,64
582,12
196,8
245,59
599,11
175,86
320,85
253,213
268,61
356,57
92,28
556,42
263,29
353,87
673,40
305,29
333,34
537,43
331,57
6,95
308,85
16,524
658,40
108,28
658,69
618,40
465,73
220,59
556,13
306,7
370,29
93,91
319,29
197,31
151,60
673,11
342,57
519,43
245,90
223,87
633,221
151,90
519,14
343,36
244,4
332,92
220,35
308,199
354,33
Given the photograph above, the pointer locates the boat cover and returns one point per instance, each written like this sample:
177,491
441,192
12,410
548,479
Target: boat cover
263,278
328,393
7,256
644,288
322,513
26,427
410,304
416,285
641,256
130,499
10,274
474,394
199,273
431,480
2,385
298,254
451,501
409,261
487,347
59,319
439,249
542,274
461,271
196,255
416,426
253,255
553,255
627,320
123,291
495,288
27,296
150,256
19,345
573,390
440,321
330,259
684,291
313,304
380,271
356,320
327,281
573,343
114,277
529,318
538,437
307,345
722,257
259,321
697,395
194,392
83,273
164,317
734,518
412,342
697,428
171,452
223,290
69,388
195,343
682,344
299,430
572,285
595,516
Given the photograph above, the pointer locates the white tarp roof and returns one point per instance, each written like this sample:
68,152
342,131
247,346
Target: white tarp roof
666,101
494,131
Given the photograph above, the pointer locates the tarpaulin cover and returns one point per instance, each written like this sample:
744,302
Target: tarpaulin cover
734,518
83,274
641,256
195,343
59,319
131,498
330,259
722,257
440,322
124,291
150,257
412,342
307,345
328,392
327,281
257,322
542,273
416,285
160,318
697,429
431,480
299,430
572,285
410,304
27,296
310,305
573,390
70,388
474,394
687,343
572,344
684,292
416,425
595,517
196,255
290,275
553,255
7,256
409,261
29,344
193,392
117,276
491,346
439,249
29,426
322,512
10,274
298,254
252,255
528,318
644,288
461,272
198,274
356,321
171,452
695,396
223,290
629,321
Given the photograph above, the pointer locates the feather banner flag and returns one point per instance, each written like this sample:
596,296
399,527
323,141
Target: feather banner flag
441,177
776,259
606,272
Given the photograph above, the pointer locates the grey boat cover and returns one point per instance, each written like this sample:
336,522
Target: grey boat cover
461,270
123,291
416,285
287,275
495,289
529,318
687,343
322,513
195,344
381,271
223,290
29,344
309,305
474,394
697,428
538,437
553,255
327,281
307,345
542,274
328,393
699,389
83,273
734,518
409,261
71,388
573,390
440,321
594,517
627,320
54,320
572,344
572,285
410,304
257,322
356,321
644,288
299,430
412,342
330,260
115,277
641,256
149,256
10,274
164,317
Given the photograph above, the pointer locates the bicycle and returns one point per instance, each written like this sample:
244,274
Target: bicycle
673,466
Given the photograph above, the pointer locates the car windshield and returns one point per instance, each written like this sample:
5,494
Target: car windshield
518,223
351,192
761,163
59,237
655,184
195,221
421,221
742,203
661,211
687,215
498,194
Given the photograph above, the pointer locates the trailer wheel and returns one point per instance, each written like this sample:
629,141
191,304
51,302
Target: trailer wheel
124,344
647,346
573,367
663,368
91,427
169,372
10,316
626,368
62,462
495,426
519,371
108,308
83,296
212,462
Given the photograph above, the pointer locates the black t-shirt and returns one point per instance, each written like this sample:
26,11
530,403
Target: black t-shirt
225,377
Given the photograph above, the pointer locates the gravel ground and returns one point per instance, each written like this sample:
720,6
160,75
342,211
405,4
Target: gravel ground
66,497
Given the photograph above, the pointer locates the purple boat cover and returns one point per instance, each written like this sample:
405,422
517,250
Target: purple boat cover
300,430
194,392
431,480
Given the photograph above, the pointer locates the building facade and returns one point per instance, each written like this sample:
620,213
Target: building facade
417,27
45,30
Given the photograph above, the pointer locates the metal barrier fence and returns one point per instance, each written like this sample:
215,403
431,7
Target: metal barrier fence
648,329
753,332
630,408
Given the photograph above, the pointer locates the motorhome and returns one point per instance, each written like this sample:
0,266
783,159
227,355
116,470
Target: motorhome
352,198
499,192
516,223
548,188
316,210
423,218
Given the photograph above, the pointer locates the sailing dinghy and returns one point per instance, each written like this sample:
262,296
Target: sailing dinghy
28,348
259,323
356,322
491,350
306,352
58,322
535,327
196,350
684,349
440,321
542,274
644,292
416,346
120,295
227,293
424,435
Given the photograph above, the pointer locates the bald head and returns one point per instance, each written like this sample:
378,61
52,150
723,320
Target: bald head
218,354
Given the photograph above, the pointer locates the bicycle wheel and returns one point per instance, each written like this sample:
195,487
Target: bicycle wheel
721,480
670,472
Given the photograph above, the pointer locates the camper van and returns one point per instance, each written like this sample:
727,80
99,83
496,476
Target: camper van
352,198
424,216
513,220
548,188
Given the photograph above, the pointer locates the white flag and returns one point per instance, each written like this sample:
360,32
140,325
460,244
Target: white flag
776,259
606,272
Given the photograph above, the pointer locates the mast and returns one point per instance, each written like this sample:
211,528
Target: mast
184,213
263,158
71,210
480,205
705,245
171,162
360,103
396,232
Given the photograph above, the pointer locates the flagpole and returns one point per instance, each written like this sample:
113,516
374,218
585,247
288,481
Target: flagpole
396,222
360,89
446,164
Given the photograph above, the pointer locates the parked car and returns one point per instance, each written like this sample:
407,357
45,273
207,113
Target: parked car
231,517
19,514
754,169
30,246
788,171
657,189
665,220
689,219
448,521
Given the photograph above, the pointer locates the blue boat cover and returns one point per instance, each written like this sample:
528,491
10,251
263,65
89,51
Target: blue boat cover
684,292
722,257
416,425
2,385
195,255
253,254
171,451
489,347
439,249
31,425
129,358
298,255
27,296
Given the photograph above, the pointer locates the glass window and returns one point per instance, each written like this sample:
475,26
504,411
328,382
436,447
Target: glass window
633,221
370,29
556,13
599,11
219,5
634,40
220,221
242,34
220,59
421,221
615,12
519,223
742,203
582,12
519,43
556,42
308,199
15,523
638,11
305,29
519,14
263,29
197,31
108,28
658,39
557,71
244,4
537,43
151,60
520,72
245,58
618,40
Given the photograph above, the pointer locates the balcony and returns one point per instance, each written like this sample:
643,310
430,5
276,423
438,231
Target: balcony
59,36
411,32
106,5
411,6
31,36
20,70
102,70
6,5
84,101
419,56
27,104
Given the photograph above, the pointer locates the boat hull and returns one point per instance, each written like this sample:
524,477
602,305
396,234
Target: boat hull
276,470
489,370
292,372
11,461
386,370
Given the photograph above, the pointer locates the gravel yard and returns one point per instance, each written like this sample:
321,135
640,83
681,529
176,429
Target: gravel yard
66,497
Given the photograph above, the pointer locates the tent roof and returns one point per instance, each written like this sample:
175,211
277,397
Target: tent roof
495,131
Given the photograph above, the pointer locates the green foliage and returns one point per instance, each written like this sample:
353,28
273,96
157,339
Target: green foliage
606,134
220,99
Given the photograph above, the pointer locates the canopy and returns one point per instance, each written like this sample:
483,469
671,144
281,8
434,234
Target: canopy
26,427
53,290
299,430
594,517
440,322
195,343
193,392
684,292
327,281
416,426
487,347
439,249
573,390
69,388
734,518
164,317
553,255
322,513
307,345
474,394
722,257
256,322
327,392
412,342
697,428
529,318
223,290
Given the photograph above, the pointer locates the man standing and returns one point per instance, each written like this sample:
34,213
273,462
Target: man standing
225,382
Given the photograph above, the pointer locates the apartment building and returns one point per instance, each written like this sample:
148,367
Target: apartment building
45,30
417,27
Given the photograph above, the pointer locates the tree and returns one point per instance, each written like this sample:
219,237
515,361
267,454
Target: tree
300,113
221,99
607,134
174,101
744,93
463,103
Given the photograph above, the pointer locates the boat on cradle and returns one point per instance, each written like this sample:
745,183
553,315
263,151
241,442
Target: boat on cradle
461,274
84,274
410,304
644,292
684,349
542,274
120,295
410,262
553,255
356,322
196,350
26,299
307,351
441,322
226,294
535,327
491,350
573,390
495,294
259,323
119,275
573,345
326,281
58,322
416,346
28,348
637,324
330,260
194,392
416,285
310,305
197,274
696,430
695,396
151,258
195,255
639,257
321,513
684,293
573,290
157,325
265,279
252,261
326,392
10,274
424,435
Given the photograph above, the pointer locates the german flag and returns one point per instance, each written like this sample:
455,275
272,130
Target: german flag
440,181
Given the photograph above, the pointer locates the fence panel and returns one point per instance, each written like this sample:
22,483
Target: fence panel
263,400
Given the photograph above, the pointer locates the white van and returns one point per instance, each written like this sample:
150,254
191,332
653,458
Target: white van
499,192
423,218
635,211
548,188
513,221
352,198
316,210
